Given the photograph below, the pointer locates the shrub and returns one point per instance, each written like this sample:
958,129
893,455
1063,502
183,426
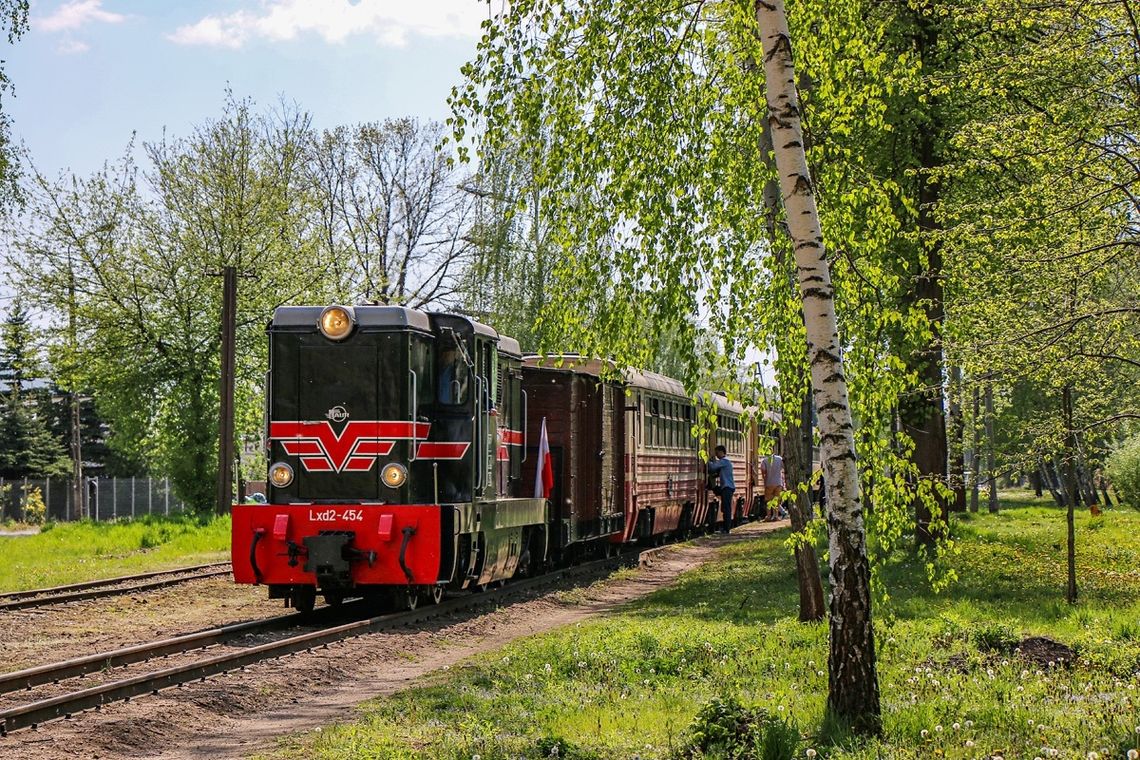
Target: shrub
725,728
35,511
995,637
1123,470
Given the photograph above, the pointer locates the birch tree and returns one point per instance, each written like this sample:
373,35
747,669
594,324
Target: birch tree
654,178
853,686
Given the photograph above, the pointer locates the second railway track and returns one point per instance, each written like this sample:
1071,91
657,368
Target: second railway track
64,705
126,584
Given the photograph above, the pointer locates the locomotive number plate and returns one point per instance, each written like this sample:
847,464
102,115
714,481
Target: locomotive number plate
332,515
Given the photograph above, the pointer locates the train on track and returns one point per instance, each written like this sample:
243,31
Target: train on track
412,453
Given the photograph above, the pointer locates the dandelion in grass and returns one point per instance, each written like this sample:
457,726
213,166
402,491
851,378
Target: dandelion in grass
1093,756
810,752
955,726
924,733
938,729
1133,754
969,743
969,724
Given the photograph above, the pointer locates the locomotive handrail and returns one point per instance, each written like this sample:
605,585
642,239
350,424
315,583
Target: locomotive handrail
525,401
480,444
415,408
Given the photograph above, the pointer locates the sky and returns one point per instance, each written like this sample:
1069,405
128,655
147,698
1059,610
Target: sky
89,73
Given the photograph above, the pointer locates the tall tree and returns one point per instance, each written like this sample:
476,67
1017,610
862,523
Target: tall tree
392,214
853,684
653,180
27,447
1042,225
13,22
140,252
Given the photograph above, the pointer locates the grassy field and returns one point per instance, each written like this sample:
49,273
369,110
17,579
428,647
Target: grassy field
725,641
72,552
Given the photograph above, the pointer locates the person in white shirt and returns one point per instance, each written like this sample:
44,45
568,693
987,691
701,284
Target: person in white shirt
772,474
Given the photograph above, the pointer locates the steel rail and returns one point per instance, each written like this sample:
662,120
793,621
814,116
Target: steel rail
98,589
33,714
108,581
57,671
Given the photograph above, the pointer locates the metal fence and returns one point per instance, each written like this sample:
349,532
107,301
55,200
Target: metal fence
106,498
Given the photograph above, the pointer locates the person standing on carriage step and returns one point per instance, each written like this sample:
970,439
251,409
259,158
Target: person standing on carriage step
722,467
772,473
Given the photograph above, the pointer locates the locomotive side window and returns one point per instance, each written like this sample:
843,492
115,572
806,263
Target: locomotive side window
454,375
423,364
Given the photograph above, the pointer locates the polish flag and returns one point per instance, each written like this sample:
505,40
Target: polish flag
544,473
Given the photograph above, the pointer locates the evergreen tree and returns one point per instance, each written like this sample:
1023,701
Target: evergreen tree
27,447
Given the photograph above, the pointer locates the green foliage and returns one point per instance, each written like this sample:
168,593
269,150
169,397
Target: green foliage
994,637
724,728
632,683
130,259
13,24
1123,470
27,447
35,511
81,551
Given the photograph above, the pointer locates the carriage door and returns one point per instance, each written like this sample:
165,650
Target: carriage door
486,417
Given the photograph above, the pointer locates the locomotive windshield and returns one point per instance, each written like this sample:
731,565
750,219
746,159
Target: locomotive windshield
336,394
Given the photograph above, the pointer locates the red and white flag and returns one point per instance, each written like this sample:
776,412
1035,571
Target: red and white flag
544,473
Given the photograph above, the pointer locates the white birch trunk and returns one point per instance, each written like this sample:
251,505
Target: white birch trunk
853,694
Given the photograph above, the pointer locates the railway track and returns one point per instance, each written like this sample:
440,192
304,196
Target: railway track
31,714
125,584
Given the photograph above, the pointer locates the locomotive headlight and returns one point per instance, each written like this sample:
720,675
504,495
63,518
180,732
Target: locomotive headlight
336,322
394,475
280,474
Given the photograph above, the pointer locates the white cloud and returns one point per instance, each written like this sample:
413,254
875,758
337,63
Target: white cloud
390,22
75,15
72,47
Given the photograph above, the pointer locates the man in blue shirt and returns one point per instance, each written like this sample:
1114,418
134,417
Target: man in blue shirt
722,467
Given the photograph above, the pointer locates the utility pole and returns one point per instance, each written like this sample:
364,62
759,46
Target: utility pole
226,420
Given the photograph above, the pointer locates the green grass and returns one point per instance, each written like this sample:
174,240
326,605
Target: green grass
630,684
72,552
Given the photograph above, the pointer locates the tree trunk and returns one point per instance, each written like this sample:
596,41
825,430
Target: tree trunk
1035,481
797,439
957,465
923,412
1074,495
991,462
976,459
797,469
853,683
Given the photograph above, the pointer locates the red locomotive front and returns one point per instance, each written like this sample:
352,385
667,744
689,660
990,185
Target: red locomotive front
393,438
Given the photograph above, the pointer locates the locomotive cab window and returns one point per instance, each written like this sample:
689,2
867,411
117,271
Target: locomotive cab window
454,376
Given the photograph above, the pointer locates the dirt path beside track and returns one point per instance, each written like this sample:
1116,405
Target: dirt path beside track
244,712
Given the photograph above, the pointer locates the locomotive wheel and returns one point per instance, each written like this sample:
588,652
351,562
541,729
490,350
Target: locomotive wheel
304,599
410,598
435,594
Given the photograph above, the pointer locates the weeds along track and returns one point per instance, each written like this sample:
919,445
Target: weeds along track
125,584
200,655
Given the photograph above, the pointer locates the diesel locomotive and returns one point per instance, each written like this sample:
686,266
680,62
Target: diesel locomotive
404,452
